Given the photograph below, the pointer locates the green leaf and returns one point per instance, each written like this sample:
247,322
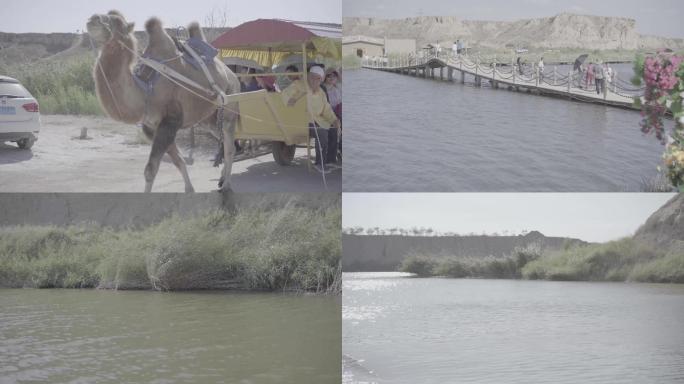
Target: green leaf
638,69
676,108
637,102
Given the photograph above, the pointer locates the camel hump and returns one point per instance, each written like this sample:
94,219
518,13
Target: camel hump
153,25
115,12
194,30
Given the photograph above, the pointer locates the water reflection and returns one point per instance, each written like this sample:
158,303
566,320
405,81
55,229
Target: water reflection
484,331
406,134
103,336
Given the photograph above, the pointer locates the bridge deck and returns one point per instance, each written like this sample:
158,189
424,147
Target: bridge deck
556,85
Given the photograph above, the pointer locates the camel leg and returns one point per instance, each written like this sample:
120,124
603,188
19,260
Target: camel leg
228,149
180,164
164,137
149,133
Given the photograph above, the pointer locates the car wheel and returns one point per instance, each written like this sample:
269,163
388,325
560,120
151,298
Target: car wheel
26,143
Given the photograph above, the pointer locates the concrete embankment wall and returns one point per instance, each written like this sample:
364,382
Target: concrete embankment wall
385,253
135,209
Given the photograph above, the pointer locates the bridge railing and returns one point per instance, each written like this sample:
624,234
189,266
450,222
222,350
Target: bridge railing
530,75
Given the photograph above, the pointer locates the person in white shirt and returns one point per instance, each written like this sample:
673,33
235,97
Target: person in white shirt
540,65
609,76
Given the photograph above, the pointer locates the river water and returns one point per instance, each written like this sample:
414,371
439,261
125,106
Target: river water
413,330
407,134
91,336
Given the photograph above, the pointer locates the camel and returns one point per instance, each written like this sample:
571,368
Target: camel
169,107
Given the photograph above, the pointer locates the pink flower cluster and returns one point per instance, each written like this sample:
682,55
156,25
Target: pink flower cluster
660,76
659,71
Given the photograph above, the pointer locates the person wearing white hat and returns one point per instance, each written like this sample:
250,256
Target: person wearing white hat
317,70
323,116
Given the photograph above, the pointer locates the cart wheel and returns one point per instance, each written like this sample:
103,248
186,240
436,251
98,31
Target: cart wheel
283,154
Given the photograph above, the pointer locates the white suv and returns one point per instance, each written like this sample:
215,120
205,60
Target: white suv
19,116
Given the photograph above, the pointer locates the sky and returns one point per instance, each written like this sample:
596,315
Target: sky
597,217
654,17
47,16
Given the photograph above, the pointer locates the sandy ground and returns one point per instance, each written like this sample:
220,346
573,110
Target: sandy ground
114,157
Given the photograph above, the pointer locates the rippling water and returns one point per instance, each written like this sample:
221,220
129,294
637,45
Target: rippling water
88,336
406,134
409,330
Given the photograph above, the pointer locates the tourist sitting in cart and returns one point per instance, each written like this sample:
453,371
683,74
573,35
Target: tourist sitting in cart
292,69
267,82
248,83
322,114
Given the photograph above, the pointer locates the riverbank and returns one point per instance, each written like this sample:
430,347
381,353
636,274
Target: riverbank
287,248
620,260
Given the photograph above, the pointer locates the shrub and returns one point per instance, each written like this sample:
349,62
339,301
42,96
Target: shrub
620,260
425,265
61,87
288,248
612,261
668,269
420,264
351,62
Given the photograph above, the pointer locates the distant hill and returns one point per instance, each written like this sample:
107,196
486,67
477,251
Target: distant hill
18,48
565,30
664,229
385,252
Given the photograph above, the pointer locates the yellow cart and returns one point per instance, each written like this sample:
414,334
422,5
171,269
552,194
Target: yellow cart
265,115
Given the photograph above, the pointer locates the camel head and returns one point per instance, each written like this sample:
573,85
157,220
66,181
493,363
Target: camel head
103,28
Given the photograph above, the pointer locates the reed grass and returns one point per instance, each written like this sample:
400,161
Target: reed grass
64,87
462,266
621,260
612,261
291,248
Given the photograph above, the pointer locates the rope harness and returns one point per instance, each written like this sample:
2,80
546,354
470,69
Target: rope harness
104,75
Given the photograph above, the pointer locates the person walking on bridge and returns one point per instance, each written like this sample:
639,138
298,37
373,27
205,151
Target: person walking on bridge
608,70
599,77
540,66
589,79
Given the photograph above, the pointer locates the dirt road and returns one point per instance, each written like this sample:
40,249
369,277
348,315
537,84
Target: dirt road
114,156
